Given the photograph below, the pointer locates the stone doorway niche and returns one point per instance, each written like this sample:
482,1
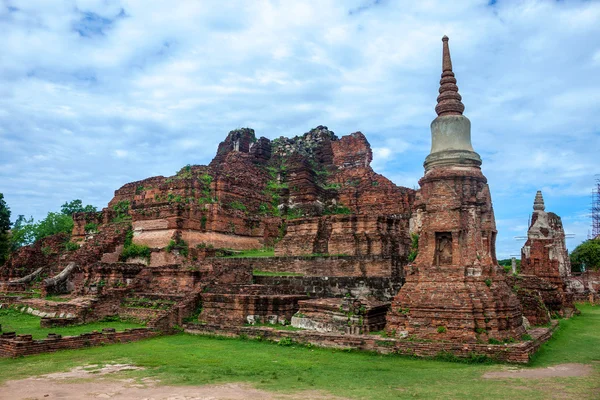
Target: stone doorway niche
443,248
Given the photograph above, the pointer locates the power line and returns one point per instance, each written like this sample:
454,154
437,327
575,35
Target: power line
596,208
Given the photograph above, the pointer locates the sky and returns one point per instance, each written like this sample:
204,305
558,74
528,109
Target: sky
98,93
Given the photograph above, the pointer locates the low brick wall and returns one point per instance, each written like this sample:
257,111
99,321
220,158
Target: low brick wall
138,314
15,288
512,353
371,266
48,322
12,345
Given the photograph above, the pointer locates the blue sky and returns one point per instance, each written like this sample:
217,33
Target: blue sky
95,94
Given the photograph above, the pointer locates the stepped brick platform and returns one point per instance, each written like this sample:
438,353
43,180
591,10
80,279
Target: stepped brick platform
334,265
380,288
240,309
341,315
519,353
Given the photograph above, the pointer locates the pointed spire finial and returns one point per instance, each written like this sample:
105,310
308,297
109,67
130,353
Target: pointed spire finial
449,101
538,203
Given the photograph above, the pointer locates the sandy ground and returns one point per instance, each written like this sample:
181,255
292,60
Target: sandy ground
90,382
556,371
95,382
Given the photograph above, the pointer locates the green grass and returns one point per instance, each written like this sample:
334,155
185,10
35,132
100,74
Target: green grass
577,340
269,273
59,299
264,252
26,324
194,360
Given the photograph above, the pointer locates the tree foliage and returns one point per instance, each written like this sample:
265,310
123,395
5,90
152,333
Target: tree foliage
586,256
22,233
76,206
4,228
26,231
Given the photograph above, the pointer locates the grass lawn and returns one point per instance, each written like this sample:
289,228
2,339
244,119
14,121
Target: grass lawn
26,324
264,252
194,360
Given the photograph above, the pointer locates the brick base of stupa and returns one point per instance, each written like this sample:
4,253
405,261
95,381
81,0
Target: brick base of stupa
446,307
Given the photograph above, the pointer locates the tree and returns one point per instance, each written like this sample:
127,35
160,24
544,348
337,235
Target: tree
26,231
23,232
4,228
586,256
51,225
76,206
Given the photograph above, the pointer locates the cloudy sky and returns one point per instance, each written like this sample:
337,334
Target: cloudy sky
98,93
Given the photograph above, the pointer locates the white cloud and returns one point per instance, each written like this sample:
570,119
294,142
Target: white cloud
121,153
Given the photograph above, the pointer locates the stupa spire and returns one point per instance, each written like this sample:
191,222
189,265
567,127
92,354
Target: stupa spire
449,101
538,203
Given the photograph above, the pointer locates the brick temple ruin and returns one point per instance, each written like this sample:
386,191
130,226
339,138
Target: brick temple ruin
166,251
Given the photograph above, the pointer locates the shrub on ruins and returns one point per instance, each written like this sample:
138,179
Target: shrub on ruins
414,247
91,227
180,245
586,256
135,251
4,230
122,210
71,246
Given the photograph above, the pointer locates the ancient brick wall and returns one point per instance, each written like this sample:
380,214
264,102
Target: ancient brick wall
12,345
235,309
361,189
352,235
381,288
315,266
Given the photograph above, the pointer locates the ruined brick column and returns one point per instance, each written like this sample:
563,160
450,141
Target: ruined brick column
545,254
454,289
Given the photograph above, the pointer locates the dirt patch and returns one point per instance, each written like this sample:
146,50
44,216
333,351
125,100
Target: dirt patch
87,370
557,371
69,386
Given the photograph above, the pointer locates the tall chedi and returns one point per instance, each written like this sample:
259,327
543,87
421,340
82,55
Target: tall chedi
454,289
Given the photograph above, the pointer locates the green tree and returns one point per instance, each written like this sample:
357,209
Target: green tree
4,228
586,256
23,232
53,223
76,206
26,231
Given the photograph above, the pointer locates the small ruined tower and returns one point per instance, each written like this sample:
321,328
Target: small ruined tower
545,252
454,289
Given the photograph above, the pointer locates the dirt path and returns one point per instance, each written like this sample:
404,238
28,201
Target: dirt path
90,382
556,371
